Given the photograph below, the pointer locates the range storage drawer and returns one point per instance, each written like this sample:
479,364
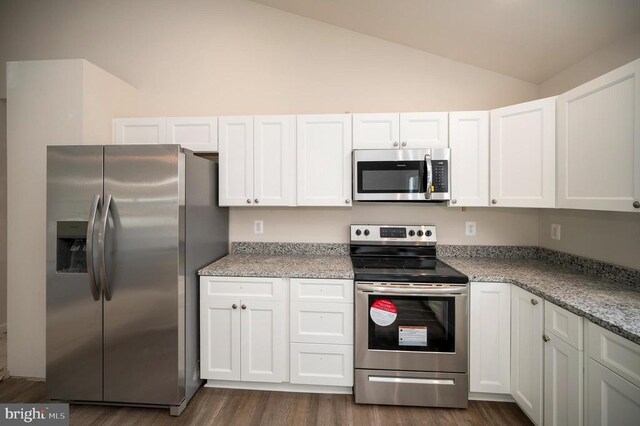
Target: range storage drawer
329,365
564,324
618,354
241,287
321,290
322,323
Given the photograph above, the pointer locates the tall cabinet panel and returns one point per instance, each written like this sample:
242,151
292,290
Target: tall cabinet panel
523,154
236,160
274,160
469,143
527,325
599,143
324,160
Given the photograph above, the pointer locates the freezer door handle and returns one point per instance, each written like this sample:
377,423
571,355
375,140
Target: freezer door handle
106,290
93,285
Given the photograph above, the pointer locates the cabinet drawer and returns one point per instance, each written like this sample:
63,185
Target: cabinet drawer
564,324
329,365
254,288
312,290
321,323
614,352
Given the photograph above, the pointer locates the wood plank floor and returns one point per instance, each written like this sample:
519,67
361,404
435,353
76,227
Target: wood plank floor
241,407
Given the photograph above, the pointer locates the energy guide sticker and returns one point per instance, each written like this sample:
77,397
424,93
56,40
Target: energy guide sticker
383,312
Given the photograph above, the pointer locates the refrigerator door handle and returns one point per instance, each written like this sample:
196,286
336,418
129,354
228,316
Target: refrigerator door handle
93,285
101,242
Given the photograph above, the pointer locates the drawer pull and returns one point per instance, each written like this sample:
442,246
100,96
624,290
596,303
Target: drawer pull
412,380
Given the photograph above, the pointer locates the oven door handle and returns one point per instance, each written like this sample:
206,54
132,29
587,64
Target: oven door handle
443,291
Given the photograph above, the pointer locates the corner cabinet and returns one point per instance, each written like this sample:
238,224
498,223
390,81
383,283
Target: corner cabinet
523,152
407,130
324,160
527,325
469,143
257,161
242,329
599,143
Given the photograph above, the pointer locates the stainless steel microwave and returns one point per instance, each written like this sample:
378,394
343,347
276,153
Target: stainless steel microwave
401,174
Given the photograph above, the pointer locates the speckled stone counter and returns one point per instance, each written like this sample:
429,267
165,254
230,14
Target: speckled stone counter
281,266
614,306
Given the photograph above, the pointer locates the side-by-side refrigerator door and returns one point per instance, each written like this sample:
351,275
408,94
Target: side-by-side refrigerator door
74,303
143,274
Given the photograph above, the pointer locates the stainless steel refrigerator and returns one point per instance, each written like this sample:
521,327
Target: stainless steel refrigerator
128,226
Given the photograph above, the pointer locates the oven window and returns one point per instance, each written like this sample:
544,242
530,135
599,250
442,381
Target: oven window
412,323
390,176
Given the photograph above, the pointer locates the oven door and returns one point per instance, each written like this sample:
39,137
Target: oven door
411,327
391,175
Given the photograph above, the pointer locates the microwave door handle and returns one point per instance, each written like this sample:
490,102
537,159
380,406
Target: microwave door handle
427,160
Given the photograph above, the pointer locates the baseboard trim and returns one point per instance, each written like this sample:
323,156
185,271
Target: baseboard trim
498,397
279,387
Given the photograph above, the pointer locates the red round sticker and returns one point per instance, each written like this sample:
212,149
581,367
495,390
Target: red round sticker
383,312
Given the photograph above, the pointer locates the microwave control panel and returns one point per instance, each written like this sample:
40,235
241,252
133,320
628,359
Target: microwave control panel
440,180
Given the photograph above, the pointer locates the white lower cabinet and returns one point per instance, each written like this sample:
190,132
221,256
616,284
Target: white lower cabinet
527,324
490,338
321,332
242,338
563,383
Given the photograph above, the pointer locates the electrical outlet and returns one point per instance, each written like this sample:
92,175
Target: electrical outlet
470,229
258,227
555,231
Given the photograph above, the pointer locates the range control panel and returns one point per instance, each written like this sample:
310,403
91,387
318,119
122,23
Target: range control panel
420,234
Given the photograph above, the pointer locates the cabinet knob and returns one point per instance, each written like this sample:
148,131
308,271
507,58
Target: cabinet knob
494,201
404,144
234,306
534,302
636,204
454,201
244,306
248,201
545,338
256,201
347,201
395,144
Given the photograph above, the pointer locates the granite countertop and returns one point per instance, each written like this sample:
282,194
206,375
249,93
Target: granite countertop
281,266
614,306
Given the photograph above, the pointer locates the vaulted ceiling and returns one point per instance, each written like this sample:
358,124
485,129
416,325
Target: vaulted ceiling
531,40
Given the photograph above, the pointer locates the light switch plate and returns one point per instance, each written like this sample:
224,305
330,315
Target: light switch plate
258,227
470,229
555,231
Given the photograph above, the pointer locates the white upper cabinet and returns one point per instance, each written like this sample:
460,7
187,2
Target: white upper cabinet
469,143
376,131
599,143
199,134
324,160
274,160
523,154
236,160
400,130
139,131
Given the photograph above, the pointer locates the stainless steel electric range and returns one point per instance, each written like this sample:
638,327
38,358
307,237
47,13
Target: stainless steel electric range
410,319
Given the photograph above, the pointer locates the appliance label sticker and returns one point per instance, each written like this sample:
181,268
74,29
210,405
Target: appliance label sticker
383,312
412,336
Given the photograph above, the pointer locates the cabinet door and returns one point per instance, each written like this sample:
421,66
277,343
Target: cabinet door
220,339
236,160
139,131
324,160
611,400
490,338
274,160
599,143
424,130
376,131
527,322
199,134
469,143
262,348
523,143
563,375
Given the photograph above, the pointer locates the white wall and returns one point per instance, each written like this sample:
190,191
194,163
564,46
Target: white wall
3,215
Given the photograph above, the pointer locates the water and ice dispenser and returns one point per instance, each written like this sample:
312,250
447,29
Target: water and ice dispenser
71,251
